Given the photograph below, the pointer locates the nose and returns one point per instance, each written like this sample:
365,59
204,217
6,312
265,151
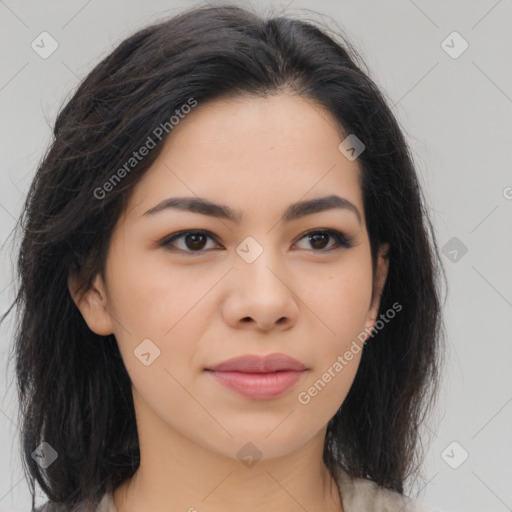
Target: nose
260,296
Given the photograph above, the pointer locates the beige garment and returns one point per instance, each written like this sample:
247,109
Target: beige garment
357,494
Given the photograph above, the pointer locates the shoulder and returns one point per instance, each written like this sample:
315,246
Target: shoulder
105,505
362,495
357,494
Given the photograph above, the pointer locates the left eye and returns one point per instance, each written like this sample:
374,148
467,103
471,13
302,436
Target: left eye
318,239
196,240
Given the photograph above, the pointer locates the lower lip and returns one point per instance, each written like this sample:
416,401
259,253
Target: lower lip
259,386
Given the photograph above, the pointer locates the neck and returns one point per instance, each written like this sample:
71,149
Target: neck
179,474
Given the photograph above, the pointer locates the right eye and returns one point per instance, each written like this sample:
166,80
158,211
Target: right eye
190,241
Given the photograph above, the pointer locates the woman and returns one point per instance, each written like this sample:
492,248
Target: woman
228,285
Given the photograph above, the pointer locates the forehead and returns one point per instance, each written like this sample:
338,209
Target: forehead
277,119
252,152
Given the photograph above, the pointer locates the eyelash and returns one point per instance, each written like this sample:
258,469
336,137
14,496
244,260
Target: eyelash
342,240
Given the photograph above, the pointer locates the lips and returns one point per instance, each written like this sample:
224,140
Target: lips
259,377
259,364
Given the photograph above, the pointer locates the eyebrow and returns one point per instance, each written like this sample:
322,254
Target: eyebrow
293,212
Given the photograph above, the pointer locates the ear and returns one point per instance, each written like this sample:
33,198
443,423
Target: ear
381,274
93,304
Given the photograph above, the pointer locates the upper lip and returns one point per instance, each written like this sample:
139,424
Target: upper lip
259,364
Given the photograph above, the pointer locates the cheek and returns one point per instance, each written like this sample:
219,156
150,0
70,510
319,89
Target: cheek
340,299
324,393
166,305
342,304
151,297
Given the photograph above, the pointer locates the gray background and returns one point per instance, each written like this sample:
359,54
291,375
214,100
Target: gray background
456,113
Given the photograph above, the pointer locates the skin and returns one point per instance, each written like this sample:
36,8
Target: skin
307,300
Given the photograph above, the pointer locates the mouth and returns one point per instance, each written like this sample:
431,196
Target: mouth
259,377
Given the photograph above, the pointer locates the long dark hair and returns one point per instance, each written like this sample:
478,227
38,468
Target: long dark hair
74,390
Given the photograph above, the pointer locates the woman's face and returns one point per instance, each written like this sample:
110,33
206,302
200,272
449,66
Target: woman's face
252,283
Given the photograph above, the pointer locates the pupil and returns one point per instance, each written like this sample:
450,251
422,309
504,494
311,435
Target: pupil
317,237
193,241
